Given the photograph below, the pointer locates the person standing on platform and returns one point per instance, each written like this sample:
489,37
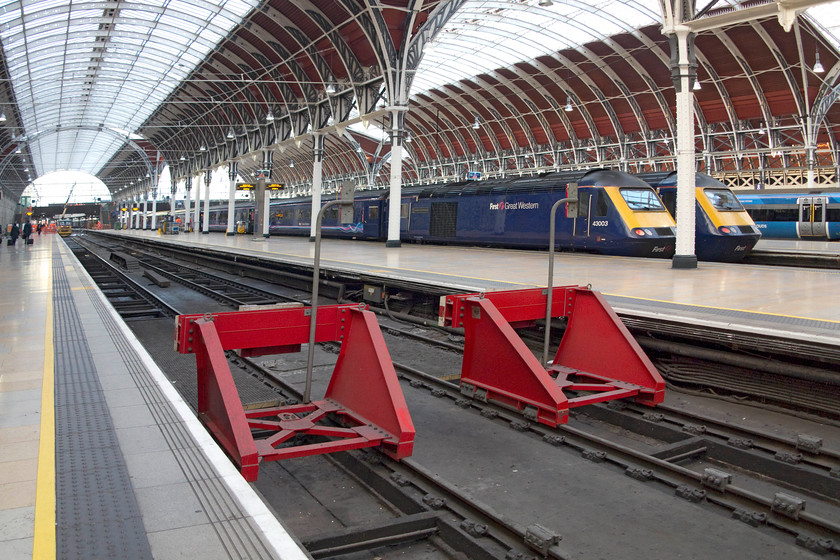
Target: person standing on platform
15,233
40,227
27,231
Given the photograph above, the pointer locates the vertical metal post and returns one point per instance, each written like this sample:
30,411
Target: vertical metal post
310,354
552,222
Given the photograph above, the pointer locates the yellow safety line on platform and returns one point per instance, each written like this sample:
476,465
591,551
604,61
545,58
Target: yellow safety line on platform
725,308
43,547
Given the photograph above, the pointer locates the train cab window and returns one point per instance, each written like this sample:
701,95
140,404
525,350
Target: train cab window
642,199
723,199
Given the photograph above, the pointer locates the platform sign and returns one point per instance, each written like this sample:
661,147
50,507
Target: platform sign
346,197
572,206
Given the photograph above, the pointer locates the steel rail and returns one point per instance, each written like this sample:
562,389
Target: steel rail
624,457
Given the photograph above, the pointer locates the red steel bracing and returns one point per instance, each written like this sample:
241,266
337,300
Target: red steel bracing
363,395
597,355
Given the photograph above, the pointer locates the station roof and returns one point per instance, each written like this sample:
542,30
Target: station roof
118,88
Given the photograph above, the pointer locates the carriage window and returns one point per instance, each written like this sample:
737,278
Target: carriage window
642,199
601,205
373,212
723,199
403,210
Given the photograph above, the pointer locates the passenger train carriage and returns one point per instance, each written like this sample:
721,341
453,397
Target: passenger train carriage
618,214
795,216
724,231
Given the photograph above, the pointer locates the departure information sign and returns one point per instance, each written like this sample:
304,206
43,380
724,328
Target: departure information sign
253,186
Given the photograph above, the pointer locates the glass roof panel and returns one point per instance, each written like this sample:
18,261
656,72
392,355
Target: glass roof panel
826,17
515,31
96,64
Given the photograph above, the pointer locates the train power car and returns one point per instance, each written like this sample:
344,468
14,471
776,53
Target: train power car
65,227
795,216
618,214
724,231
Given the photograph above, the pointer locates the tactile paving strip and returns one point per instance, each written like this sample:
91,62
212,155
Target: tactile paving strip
239,535
96,512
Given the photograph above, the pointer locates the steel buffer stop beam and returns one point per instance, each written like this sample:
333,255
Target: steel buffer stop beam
597,358
364,403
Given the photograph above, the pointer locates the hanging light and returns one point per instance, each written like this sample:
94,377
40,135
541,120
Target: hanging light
203,148
476,126
2,116
569,107
697,85
269,117
182,158
408,137
230,133
291,163
818,67
330,87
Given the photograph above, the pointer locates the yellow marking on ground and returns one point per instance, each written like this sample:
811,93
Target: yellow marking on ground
43,547
725,308
81,288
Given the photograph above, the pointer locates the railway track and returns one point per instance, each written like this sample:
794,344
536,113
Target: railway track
131,300
709,464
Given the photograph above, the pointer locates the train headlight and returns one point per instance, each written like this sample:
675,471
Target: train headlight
640,232
726,230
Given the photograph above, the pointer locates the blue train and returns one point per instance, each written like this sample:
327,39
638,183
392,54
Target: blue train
618,214
795,216
724,231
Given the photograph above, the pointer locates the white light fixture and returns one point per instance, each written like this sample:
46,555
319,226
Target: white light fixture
291,163
330,87
569,107
408,137
269,117
476,126
818,67
697,85
2,116
203,148
182,158
230,133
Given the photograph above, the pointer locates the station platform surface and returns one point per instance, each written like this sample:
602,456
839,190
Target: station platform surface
794,302
99,456
799,245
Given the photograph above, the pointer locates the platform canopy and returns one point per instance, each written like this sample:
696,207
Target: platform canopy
120,88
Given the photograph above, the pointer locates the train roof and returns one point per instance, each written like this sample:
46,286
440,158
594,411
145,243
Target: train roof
783,198
546,182
669,179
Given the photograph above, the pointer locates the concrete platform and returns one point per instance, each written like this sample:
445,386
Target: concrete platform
99,456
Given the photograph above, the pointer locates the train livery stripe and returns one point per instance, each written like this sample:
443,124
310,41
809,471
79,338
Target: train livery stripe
44,545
